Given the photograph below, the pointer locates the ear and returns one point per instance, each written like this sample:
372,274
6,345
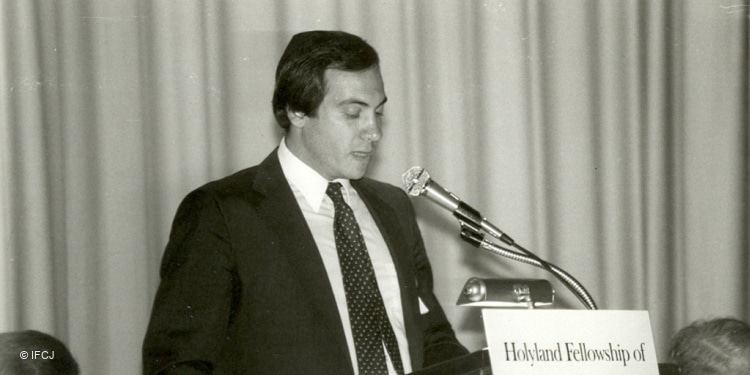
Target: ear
297,118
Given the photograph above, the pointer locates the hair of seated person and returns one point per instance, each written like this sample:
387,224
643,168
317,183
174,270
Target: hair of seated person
33,352
717,346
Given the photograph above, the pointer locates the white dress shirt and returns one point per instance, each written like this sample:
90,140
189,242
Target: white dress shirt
309,189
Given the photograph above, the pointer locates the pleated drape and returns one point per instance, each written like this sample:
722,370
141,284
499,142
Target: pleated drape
609,137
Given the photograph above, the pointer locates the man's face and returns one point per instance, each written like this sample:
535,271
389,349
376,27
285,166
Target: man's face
340,140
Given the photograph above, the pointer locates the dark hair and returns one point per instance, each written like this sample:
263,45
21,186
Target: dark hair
300,75
44,355
718,346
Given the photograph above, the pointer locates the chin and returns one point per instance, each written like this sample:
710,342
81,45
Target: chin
357,174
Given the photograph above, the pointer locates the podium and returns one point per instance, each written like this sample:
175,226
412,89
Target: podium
478,363
537,295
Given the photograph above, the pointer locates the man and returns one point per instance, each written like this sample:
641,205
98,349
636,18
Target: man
300,265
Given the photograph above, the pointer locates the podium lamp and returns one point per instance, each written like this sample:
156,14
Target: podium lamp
507,293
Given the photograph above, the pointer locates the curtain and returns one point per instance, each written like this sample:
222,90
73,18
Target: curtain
609,137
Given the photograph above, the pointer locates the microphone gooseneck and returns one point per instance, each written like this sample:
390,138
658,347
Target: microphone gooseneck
417,182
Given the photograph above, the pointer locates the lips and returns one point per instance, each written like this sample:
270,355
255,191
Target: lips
363,154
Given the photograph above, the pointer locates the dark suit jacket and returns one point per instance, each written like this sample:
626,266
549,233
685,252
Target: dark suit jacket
244,289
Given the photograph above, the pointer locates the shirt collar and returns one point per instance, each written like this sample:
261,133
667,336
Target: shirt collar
307,180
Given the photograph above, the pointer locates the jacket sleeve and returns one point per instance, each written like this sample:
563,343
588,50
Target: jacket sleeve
194,300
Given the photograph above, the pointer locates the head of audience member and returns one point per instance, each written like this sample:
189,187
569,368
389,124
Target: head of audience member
34,353
713,347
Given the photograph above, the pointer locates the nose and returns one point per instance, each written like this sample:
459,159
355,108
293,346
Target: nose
373,134
371,131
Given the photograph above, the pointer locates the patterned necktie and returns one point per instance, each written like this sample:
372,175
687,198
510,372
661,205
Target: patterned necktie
370,325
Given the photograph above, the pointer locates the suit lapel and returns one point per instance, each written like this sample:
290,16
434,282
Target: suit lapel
284,217
393,235
390,230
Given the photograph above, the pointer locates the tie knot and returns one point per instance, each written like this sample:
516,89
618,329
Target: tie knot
334,192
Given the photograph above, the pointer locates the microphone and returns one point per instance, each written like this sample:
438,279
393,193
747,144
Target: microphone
418,182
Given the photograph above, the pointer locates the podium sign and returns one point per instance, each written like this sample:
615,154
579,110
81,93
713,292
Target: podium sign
570,342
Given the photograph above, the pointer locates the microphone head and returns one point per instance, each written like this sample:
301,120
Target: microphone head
415,181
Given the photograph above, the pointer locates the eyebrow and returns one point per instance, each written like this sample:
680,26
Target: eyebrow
362,103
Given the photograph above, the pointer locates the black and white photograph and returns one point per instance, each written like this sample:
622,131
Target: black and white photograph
385,187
